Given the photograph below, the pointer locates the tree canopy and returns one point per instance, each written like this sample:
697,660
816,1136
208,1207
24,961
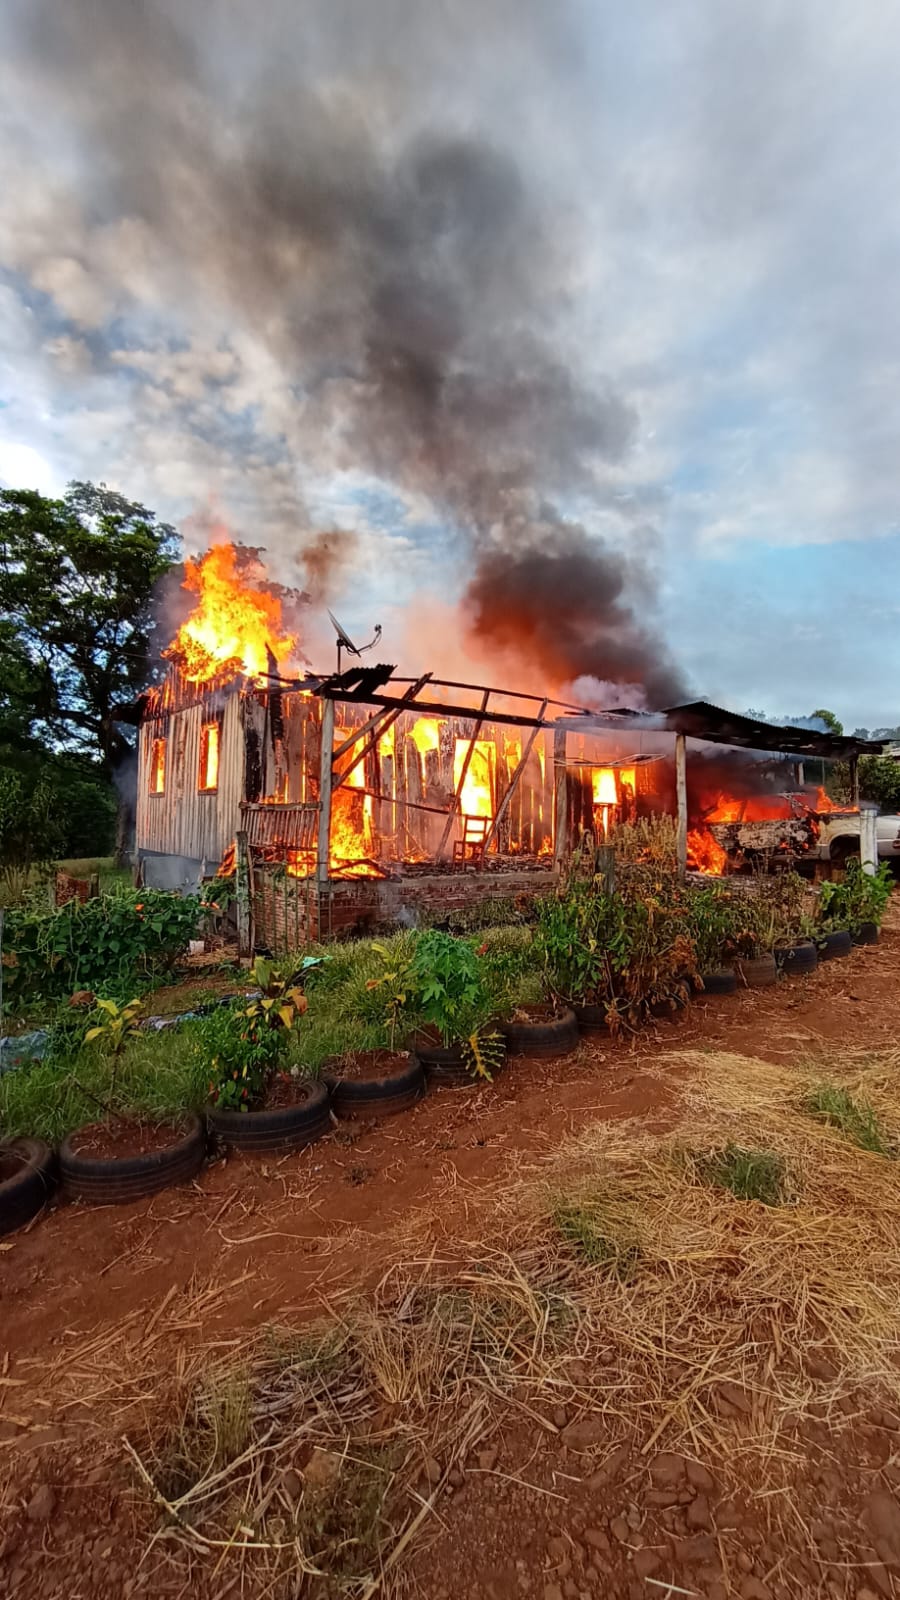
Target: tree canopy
830,720
76,579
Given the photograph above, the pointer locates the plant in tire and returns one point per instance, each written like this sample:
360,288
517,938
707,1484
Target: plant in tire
116,1029
245,1045
712,923
450,992
860,897
580,942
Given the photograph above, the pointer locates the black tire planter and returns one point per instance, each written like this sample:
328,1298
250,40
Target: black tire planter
26,1191
591,1019
866,933
375,1097
106,1181
722,981
798,959
542,1041
834,946
275,1131
758,973
445,1066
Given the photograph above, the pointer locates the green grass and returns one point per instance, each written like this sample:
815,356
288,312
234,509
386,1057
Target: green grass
749,1174
856,1119
164,1073
161,1075
111,876
598,1238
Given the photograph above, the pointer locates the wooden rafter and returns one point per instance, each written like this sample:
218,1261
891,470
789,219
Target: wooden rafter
380,728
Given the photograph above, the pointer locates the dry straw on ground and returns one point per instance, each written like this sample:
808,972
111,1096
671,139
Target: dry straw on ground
626,1286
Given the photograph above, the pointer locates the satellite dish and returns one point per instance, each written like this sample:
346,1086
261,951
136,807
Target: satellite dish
344,641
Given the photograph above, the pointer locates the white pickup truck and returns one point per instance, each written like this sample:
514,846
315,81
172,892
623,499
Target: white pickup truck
838,838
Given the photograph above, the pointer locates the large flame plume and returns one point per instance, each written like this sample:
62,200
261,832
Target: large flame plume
236,625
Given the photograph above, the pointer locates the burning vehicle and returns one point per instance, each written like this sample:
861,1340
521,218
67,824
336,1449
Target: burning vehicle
358,796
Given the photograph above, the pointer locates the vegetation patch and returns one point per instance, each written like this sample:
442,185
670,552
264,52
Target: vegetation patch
855,1118
597,1239
749,1174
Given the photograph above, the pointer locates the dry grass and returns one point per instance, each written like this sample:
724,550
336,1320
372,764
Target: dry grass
627,1286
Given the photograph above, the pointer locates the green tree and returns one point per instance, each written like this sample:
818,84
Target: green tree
76,580
879,780
830,720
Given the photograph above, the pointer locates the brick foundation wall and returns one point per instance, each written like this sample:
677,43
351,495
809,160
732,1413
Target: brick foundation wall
293,911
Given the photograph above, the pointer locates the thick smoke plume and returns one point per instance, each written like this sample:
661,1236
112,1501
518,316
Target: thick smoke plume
342,178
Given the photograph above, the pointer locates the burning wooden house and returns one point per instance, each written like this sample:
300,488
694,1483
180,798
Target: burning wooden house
359,796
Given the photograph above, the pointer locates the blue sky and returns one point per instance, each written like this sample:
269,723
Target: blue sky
704,254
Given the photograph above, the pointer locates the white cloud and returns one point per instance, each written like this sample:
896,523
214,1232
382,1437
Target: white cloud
23,467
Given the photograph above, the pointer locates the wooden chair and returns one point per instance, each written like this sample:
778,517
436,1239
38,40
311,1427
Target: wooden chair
469,847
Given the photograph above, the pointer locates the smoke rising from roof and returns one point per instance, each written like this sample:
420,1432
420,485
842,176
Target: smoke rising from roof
354,192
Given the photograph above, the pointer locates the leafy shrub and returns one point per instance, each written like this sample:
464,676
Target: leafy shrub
861,897
240,1058
245,1045
511,968
630,951
100,943
660,965
393,986
713,921
31,831
580,942
449,985
778,912
116,1027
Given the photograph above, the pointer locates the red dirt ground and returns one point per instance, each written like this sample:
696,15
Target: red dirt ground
523,1518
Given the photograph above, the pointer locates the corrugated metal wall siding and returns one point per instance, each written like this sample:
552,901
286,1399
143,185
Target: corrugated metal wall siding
184,821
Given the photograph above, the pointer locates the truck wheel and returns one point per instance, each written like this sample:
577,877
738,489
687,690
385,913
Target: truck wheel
843,850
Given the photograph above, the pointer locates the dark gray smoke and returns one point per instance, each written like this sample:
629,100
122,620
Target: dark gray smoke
347,183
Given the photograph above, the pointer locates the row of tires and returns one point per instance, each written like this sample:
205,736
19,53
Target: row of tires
795,961
31,1170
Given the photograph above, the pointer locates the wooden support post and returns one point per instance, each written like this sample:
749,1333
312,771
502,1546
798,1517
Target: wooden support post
681,797
243,905
325,785
854,781
560,798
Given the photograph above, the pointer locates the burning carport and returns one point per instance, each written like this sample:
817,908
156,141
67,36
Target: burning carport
731,805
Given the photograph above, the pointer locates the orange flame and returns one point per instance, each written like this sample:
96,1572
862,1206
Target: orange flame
234,623
605,787
704,853
158,767
426,735
824,802
476,796
209,756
